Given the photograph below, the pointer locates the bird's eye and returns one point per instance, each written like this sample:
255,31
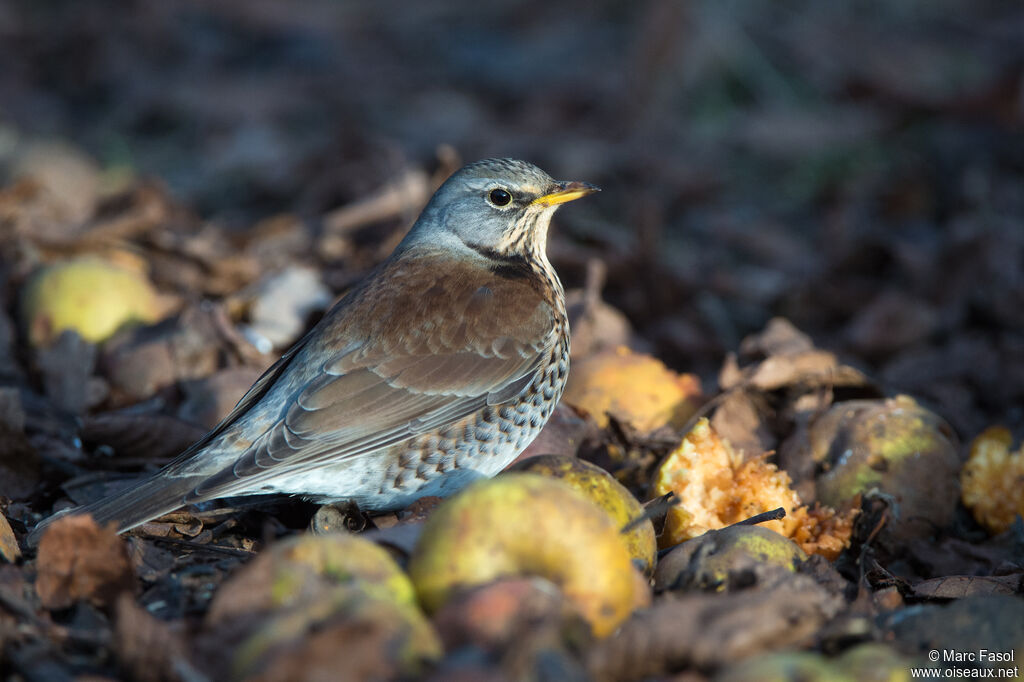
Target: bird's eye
499,197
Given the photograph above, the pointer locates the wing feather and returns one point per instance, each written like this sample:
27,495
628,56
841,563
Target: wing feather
394,380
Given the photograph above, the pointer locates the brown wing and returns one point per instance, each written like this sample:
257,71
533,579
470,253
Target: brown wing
419,347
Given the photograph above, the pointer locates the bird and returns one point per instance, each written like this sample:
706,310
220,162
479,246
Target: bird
438,368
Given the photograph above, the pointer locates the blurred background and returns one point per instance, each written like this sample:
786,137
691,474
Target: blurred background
856,167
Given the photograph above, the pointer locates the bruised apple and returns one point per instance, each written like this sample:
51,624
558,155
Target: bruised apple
609,494
303,608
524,524
634,388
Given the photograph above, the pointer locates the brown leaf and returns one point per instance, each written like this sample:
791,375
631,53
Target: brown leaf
79,560
779,337
67,365
9,549
785,380
959,586
781,356
137,211
708,630
815,368
740,419
143,360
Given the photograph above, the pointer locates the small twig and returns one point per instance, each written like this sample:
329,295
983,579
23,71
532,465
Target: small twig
597,273
654,509
883,519
242,348
773,515
215,549
403,195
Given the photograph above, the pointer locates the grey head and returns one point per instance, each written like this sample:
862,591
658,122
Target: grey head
495,206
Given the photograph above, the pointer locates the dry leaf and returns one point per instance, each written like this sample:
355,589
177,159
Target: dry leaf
79,560
708,630
960,586
9,549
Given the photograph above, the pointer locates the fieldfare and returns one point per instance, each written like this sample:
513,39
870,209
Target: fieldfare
440,367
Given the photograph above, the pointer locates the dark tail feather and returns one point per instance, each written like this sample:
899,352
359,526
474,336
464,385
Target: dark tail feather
132,506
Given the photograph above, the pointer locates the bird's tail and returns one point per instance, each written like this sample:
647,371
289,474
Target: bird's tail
132,506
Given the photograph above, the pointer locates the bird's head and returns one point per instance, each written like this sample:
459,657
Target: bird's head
496,206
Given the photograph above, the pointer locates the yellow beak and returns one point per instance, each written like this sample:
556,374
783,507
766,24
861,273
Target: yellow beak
567,191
